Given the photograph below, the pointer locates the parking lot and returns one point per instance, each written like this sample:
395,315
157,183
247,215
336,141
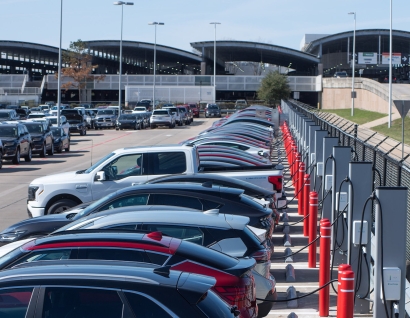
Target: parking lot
84,151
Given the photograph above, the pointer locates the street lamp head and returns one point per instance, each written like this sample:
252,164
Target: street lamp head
156,23
352,13
120,3
215,23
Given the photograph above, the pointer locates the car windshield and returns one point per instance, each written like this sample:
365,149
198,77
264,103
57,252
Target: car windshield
212,106
8,131
140,109
57,132
192,106
91,207
182,109
4,115
36,116
53,121
105,112
95,165
160,112
35,128
127,117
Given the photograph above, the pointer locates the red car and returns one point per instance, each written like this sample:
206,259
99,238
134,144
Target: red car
234,280
194,109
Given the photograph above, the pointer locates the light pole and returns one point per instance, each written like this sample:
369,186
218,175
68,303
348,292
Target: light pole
121,3
353,61
390,63
215,23
59,66
155,58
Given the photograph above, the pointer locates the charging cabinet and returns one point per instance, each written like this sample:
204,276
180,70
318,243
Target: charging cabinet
328,182
392,283
357,226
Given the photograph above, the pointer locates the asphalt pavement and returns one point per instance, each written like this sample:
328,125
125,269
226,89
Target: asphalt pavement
85,150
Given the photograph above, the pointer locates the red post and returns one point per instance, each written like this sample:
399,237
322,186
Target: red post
306,190
301,174
324,267
295,167
312,228
345,293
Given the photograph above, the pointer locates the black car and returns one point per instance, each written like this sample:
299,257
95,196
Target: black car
212,110
61,139
104,290
76,121
46,224
16,142
43,140
22,113
133,121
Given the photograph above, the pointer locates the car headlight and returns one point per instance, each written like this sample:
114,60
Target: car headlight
57,140
32,192
9,144
11,236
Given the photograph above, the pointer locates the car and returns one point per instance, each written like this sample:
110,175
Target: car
22,113
16,142
1,154
162,117
167,253
176,113
132,121
342,74
76,121
105,118
90,117
188,117
45,108
226,233
105,290
86,106
34,114
55,108
8,115
61,139
241,104
195,110
63,123
42,137
212,110
86,115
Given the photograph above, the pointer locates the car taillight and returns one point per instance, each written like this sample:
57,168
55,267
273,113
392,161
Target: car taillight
277,182
261,255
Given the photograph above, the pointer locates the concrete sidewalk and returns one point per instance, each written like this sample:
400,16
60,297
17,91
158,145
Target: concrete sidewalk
381,121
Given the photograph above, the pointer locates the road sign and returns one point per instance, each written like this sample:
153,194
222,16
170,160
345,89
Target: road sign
403,107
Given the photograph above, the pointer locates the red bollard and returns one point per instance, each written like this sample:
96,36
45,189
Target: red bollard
312,229
324,267
306,190
345,293
300,187
296,164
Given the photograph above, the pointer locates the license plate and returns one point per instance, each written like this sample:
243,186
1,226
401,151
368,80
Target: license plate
105,124
158,118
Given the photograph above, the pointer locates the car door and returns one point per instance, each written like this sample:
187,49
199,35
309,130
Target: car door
164,163
120,172
24,140
18,302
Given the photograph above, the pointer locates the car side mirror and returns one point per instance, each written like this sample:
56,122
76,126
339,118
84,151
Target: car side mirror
100,176
260,153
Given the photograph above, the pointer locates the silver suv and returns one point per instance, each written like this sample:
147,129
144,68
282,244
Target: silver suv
176,113
162,117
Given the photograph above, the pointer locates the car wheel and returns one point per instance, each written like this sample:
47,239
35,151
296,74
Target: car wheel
51,151
152,126
82,132
43,151
117,128
60,148
29,155
68,148
16,158
61,206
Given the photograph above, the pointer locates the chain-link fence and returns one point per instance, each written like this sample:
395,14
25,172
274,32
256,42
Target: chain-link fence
390,169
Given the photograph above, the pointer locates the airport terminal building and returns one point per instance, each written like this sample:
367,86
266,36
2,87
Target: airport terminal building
28,69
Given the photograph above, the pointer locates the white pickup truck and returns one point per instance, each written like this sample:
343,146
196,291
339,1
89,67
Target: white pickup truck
127,167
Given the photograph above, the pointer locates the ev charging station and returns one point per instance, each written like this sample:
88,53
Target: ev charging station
390,254
328,144
342,157
319,137
359,251
302,136
311,156
306,160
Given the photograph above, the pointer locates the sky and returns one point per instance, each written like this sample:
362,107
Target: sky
275,22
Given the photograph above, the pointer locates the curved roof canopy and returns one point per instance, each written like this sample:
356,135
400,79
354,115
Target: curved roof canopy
230,51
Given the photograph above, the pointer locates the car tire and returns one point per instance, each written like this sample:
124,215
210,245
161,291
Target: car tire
29,156
60,148
152,126
51,151
43,151
16,158
61,206
68,148
82,132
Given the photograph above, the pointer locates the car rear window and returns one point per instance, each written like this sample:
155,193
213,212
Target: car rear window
205,256
160,112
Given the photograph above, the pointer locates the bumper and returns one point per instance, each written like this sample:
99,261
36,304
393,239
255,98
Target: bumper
264,288
34,211
161,123
9,152
213,114
104,124
122,126
37,148
75,130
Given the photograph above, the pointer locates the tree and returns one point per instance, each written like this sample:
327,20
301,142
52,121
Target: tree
79,69
274,87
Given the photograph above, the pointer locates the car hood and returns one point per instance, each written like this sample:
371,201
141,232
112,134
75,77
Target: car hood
62,178
7,139
73,116
127,120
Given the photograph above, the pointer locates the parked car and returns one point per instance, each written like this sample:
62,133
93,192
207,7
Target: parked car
162,117
1,154
105,118
169,254
241,104
45,108
76,121
42,137
63,123
8,115
105,290
212,110
186,114
16,142
340,74
132,121
91,114
195,110
22,113
145,113
226,233
61,139
176,113
35,114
